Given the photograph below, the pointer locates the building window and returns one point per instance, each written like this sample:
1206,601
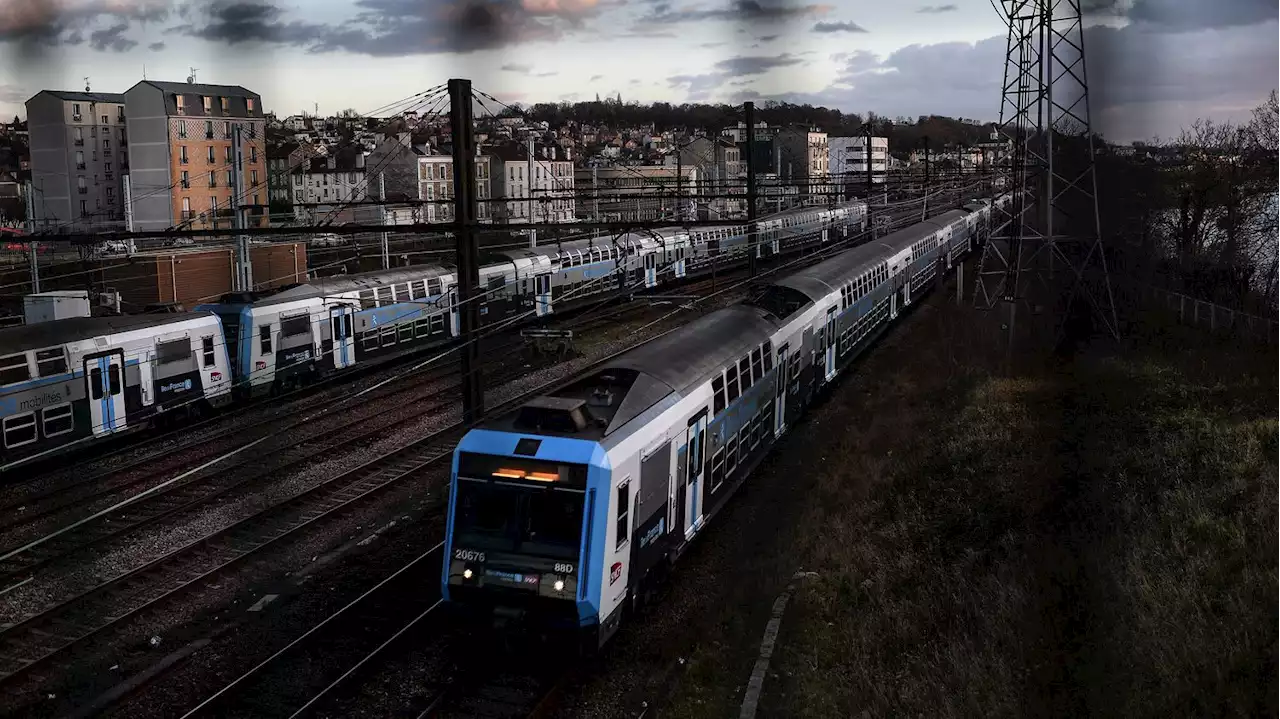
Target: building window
186,208
226,130
253,178
84,208
79,136
208,129
213,204
182,155
79,159
253,154
182,105
230,179
186,181
226,105
297,180
208,104
230,156
249,104
213,179
75,110
80,183
106,120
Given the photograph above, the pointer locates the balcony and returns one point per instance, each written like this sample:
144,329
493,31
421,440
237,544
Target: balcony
186,184
109,176
188,215
83,190
213,183
79,165
79,142
77,117
106,153
182,160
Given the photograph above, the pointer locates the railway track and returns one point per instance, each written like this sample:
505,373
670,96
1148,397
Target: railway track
40,640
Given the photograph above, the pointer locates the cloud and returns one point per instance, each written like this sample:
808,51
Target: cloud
64,22
700,87
156,46
937,9
390,28
754,64
12,94
112,39
827,27
769,38
1198,14
751,11
1143,81
595,78
512,67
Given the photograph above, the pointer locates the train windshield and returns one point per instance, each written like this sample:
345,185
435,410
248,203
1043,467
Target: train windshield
535,520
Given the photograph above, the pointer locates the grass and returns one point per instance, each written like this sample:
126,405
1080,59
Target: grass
1089,538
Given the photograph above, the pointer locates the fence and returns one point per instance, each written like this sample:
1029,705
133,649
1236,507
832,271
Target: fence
1210,316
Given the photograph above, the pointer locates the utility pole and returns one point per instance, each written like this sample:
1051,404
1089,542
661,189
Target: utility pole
33,247
128,212
244,264
924,211
464,196
749,109
382,220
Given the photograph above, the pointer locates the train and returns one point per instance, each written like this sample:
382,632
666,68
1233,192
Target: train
566,511
268,343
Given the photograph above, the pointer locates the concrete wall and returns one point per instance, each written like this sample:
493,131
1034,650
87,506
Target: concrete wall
149,160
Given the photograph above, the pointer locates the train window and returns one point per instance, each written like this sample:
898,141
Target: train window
369,338
416,290
437,322
295,326
744,373
795,366
731,455
57,420
717,469
406,331
768,355
51,362
624,507
422,327
383,295
19,429
13,369
95,383
433,286
367,299
717,389
388,335
173,351
113,379
731,382
757,365
206,351
402,292
264,339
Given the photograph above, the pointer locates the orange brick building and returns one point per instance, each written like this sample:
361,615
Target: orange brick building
181,155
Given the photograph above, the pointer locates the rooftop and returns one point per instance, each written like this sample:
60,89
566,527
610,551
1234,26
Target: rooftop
194,88
75,96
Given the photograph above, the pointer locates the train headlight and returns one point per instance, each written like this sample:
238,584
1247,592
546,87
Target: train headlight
466,574
559,585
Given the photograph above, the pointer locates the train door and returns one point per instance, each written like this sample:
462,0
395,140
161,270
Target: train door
824,234
831,343
542,296
695,438
344,341
780,392
680,263
104,385
146,378
774,242
651,270
454,325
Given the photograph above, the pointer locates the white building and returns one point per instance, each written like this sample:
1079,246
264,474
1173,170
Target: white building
329,181
848,161
435,185
537,182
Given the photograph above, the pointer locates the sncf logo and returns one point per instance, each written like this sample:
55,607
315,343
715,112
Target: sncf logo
615,572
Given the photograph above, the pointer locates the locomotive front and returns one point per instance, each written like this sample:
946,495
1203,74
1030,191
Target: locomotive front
521,518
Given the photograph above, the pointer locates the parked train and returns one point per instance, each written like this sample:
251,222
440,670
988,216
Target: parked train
566,510
248,345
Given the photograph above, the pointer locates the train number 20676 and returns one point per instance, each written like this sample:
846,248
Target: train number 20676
468,555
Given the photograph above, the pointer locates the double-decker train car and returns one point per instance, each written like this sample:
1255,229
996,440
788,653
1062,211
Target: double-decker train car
331,324
69,381
567,510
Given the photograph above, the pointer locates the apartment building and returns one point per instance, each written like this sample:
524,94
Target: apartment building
435,184
625,193
330,181
78,159
721,171
535,180
182,159
804,163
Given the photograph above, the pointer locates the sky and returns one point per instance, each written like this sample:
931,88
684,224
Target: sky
1154,66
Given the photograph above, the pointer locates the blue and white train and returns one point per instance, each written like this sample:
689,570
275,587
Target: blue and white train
250,344
566,510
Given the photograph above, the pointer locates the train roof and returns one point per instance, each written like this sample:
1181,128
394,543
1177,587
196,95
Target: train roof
623,388
73,329
822,279
908,236
338,284
947,217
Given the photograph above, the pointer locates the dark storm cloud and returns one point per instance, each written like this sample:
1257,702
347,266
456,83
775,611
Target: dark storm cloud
156,46
664,13
388,28
1198,14
828,27
52,22
112,39
734,70
937,9
754,64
